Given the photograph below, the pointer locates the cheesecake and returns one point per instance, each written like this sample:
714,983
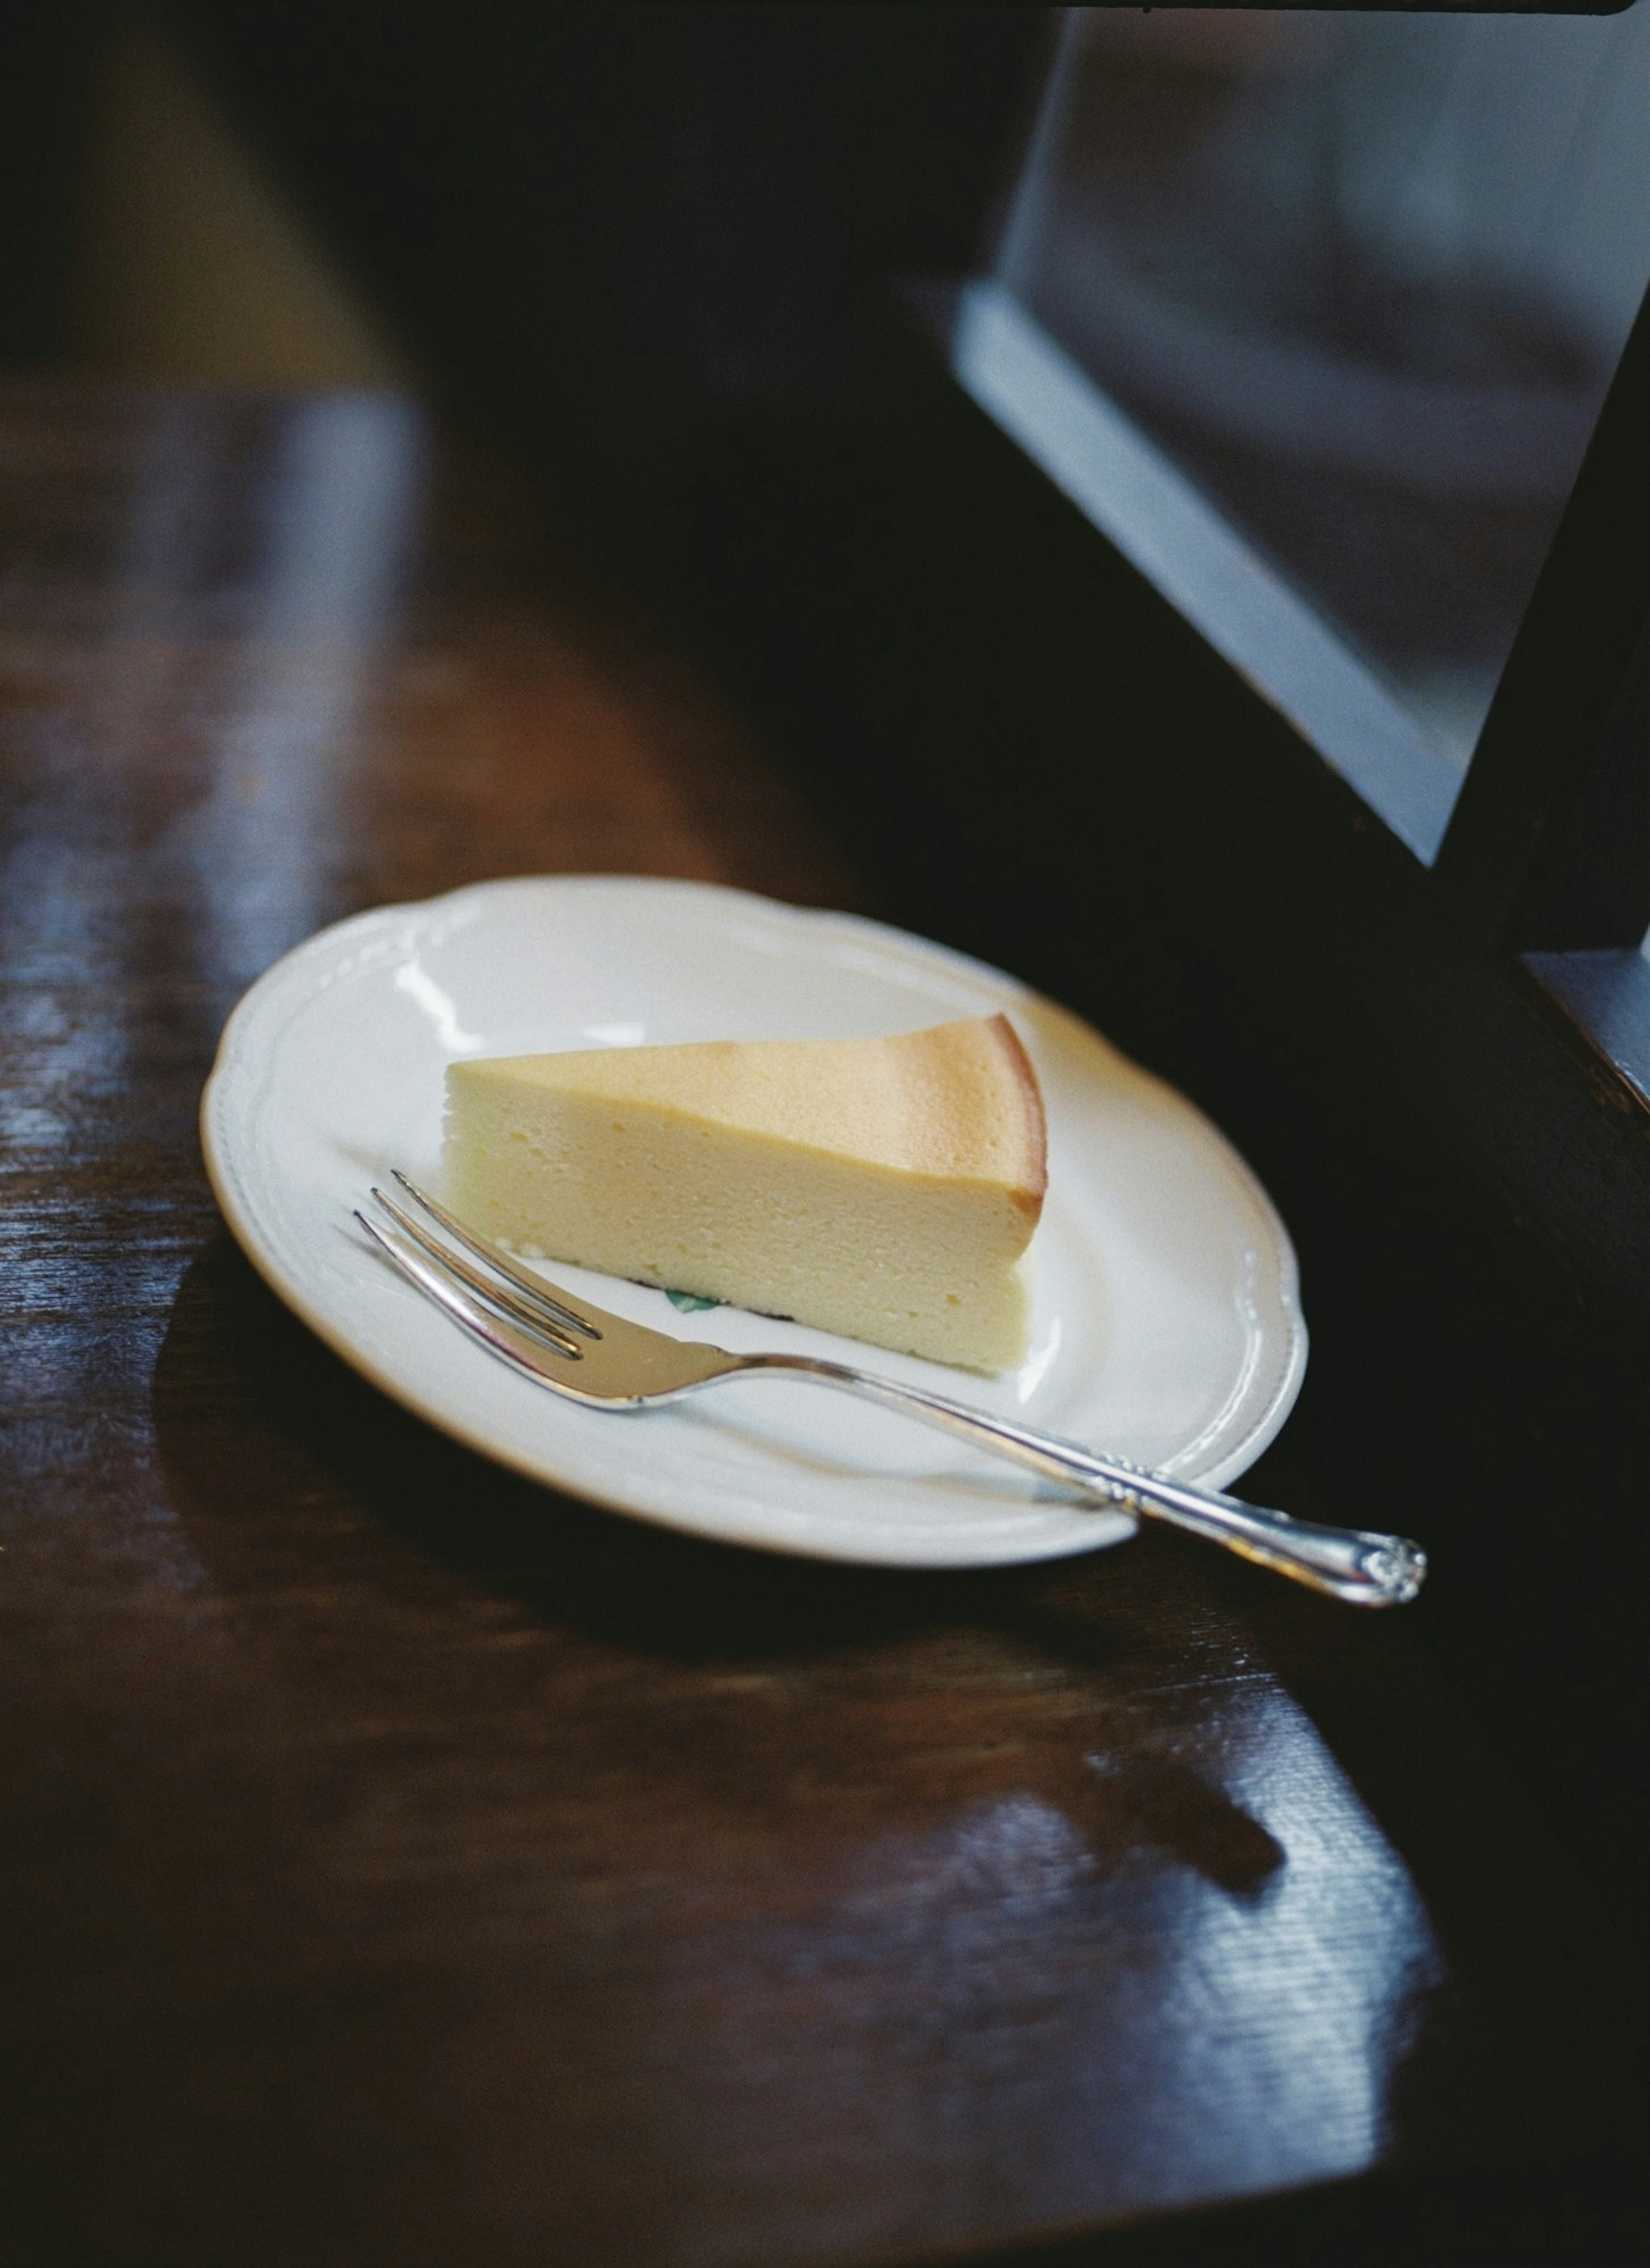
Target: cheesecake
886,1190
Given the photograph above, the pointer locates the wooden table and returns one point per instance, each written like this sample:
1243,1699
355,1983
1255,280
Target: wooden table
403,1865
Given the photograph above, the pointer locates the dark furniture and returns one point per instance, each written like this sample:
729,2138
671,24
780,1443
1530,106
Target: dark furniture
403,1864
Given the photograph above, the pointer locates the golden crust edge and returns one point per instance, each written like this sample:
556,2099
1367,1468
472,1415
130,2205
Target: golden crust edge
1029,1195
1029,1198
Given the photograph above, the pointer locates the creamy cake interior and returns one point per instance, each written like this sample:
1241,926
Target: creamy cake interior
883,1189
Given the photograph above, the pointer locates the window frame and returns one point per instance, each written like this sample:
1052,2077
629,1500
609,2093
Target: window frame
1544,849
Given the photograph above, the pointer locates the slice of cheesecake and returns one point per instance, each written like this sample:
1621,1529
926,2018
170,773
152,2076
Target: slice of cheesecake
883,1189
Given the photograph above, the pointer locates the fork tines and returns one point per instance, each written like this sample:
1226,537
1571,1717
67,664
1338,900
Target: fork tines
519,1297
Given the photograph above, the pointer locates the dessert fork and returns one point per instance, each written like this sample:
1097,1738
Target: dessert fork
581,1351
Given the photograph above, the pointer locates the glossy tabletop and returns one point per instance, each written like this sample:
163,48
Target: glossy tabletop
402,1863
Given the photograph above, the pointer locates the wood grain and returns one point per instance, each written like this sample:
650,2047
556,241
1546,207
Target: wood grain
401,1863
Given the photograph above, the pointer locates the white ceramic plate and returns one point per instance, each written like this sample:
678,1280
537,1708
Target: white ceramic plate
1167,1323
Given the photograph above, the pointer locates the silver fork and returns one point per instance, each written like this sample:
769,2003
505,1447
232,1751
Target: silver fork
581,1351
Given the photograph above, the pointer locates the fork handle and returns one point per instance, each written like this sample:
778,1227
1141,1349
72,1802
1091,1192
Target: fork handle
1365,1570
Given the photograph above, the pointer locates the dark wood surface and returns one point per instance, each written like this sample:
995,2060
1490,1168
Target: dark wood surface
401,1864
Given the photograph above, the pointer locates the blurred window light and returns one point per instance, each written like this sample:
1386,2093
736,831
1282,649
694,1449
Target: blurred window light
1365,278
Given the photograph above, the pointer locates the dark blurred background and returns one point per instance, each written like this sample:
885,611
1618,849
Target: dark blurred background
626,216
1363,277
